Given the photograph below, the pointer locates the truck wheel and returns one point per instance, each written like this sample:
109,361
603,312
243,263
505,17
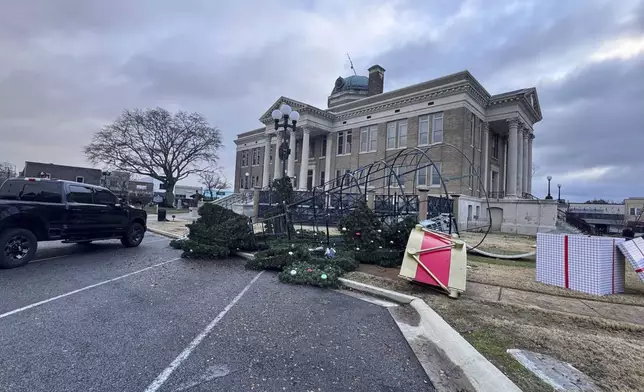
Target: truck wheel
17,247
133,235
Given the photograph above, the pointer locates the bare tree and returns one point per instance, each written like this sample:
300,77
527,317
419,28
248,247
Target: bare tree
535,168
155,143
213,181
7,170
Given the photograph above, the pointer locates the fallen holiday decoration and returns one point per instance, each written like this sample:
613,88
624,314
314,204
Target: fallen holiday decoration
436,259
634,252
589,264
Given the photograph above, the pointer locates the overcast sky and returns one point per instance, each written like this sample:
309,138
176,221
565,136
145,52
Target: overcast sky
68,67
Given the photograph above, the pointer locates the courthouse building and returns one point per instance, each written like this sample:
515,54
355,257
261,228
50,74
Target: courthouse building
363,124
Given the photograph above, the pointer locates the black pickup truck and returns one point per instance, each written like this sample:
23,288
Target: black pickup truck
34,209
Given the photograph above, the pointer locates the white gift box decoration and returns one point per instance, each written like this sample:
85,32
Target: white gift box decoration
634,252
589,264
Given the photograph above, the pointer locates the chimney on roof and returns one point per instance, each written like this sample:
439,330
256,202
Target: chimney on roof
376,80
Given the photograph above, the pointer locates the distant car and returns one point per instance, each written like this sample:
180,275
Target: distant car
35,209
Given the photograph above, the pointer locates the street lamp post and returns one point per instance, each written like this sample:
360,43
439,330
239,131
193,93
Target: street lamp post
105,175
246,180
549,197
285,113
559,193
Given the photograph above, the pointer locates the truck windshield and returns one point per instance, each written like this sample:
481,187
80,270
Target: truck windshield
34,191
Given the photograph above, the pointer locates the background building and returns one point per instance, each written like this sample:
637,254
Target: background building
61,172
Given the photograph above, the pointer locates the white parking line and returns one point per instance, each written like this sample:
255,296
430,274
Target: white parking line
167,372
3,315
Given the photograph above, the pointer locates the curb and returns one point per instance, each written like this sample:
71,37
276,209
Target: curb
481,373
377,291
164,233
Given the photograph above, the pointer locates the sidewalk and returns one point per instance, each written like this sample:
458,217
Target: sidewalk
618,312
175,228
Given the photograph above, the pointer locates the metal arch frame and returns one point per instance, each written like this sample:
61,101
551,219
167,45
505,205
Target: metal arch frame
481,185
391,171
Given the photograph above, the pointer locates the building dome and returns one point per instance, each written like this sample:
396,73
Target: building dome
351,83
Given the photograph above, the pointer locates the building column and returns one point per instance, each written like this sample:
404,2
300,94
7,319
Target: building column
290,167
277,169
486,144
513,144
304,159
327,162
267,162
530,162
526,160
520,160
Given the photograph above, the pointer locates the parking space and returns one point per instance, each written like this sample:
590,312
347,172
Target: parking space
106,318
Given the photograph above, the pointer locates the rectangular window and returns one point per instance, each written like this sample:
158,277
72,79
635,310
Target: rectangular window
322,178
364,139
472,121
495,146
436,169
80,179
478,210
347,147
41,192
244,158
421,176
323,154
401,172
312,149
368,139
344,143
437,128
80,194
495,181
423,130
105,197
255,159
340,143
397,134
391,135
480,135
373,138
469,212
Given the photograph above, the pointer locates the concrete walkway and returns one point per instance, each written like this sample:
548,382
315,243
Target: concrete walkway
617,312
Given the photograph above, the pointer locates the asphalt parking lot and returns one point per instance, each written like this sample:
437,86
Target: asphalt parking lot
107,318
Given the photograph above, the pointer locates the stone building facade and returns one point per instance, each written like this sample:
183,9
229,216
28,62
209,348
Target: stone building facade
363,124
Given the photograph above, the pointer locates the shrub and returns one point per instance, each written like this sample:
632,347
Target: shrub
397,235
218,228
382,257
343,263
361,228
195,250
278,258
311,274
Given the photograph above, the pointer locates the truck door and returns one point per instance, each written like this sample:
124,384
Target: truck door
113,217
83,213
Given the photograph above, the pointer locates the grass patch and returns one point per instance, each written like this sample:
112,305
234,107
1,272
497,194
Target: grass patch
494,347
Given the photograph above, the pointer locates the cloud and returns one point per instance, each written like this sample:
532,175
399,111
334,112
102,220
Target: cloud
70,66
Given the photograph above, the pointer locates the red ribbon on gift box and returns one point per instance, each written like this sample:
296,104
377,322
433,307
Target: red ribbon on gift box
566,261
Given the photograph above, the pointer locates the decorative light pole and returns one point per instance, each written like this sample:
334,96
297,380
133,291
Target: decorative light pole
246,180
105,175
549,197
559,193
285,113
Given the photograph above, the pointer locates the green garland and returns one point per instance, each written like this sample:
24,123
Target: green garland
311,274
